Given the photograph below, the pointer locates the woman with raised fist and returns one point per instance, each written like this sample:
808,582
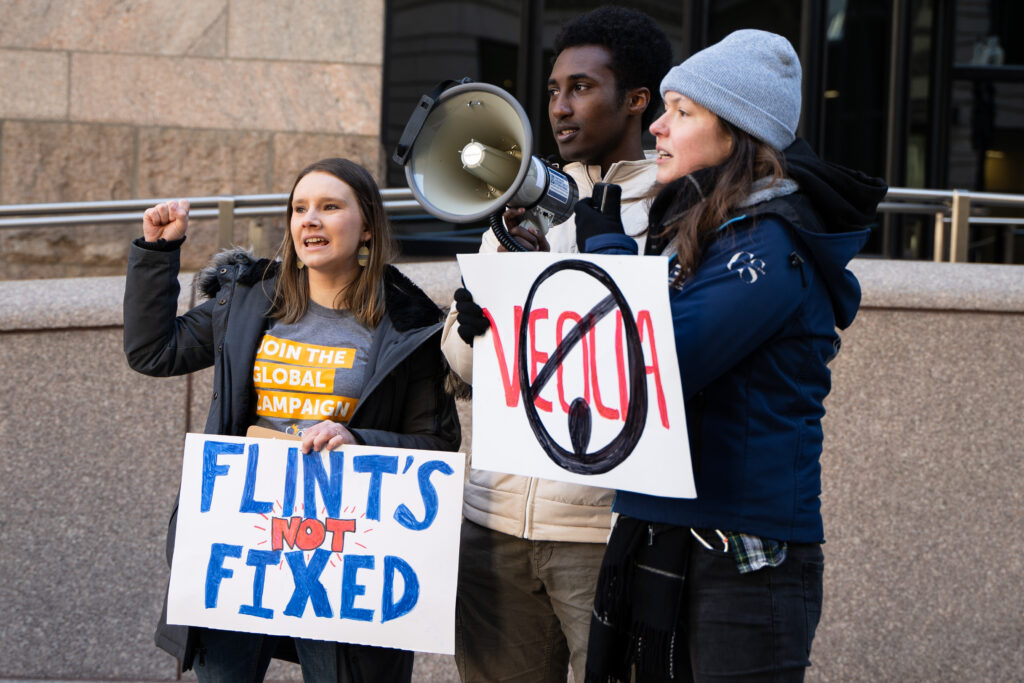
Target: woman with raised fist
330,295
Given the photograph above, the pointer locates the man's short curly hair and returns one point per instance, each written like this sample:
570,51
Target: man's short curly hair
641,53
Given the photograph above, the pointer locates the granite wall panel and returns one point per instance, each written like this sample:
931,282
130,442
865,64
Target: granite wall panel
179,162
33,84
65,252
88,474
105,99
230,94
314,30
920,499
99,250
138,27
53,162
293,152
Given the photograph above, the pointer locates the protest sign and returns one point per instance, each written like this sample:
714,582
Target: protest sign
577,378
358,545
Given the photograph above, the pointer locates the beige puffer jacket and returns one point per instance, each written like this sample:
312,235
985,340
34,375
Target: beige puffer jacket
528,507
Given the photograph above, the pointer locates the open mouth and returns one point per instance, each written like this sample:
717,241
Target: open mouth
314,242
567,134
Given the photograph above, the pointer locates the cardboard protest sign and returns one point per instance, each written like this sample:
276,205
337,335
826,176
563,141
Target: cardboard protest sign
577,379
358,545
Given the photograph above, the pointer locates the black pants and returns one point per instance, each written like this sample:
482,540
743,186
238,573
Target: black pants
729,626
757,626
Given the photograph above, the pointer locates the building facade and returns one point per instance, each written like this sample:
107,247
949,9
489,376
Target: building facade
106,99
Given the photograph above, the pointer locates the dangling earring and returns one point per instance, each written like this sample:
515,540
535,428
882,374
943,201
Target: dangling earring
299,264
363,255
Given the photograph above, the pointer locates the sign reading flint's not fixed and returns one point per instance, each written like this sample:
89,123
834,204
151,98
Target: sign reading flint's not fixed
577,378
358,545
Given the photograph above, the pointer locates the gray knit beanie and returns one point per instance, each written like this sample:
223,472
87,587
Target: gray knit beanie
750,78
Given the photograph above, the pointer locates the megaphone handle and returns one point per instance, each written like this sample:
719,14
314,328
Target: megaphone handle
501,232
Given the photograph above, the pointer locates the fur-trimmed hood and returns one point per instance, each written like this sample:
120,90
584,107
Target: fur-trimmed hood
407,305
217,272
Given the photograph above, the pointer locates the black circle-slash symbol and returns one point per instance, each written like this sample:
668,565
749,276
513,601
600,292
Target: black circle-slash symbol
579,461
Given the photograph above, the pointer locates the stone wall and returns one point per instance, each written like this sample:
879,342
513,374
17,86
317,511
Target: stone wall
922,491
106,99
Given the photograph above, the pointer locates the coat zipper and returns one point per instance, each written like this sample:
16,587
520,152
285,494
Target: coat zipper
531,491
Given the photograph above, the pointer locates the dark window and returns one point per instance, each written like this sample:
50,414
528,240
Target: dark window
926,93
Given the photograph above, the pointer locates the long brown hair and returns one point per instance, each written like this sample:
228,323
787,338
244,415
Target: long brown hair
750,160
364,296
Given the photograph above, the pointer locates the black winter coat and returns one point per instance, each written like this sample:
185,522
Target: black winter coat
404,402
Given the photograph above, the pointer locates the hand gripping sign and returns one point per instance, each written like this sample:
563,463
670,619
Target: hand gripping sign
577,379
358,545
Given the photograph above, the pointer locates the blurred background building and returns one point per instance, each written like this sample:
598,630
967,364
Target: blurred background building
150,98
925,93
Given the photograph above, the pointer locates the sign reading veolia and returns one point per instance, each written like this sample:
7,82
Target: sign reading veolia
577,379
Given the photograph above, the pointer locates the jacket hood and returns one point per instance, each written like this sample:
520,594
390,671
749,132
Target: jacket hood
832,215
845,200
406,304
212,277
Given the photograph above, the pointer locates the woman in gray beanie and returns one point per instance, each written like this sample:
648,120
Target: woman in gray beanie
759,231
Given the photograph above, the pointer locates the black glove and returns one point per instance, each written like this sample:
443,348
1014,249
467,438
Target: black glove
598,214
471,319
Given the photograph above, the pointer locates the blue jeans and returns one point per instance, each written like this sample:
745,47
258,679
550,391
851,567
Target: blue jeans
235,657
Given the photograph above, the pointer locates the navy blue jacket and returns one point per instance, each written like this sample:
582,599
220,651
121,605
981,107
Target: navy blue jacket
755,328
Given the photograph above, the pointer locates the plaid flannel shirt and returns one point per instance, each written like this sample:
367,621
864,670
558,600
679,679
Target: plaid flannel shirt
750,552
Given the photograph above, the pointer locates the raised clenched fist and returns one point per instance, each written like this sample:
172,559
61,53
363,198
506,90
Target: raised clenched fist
167,220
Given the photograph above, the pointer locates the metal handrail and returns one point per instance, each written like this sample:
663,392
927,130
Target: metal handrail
397,201
953,209
957,209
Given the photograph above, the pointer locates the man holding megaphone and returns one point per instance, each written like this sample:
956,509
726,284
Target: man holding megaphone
531,548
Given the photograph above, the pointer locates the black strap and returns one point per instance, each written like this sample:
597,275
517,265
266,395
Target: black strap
418,117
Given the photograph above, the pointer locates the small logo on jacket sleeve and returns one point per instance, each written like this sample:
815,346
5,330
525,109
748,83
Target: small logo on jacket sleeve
748,266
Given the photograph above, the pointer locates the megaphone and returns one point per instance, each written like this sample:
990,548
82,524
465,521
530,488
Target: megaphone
467,150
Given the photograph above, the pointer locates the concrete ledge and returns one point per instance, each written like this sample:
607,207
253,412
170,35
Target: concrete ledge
908,285
97,301
93,302
926,285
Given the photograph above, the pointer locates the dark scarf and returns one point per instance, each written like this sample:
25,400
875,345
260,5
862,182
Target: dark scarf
674,200
639,613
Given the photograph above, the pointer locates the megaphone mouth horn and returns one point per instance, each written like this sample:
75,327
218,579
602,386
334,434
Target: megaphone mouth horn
467,153
471,154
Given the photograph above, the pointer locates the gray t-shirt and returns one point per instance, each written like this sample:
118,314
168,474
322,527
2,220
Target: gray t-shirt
311,370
